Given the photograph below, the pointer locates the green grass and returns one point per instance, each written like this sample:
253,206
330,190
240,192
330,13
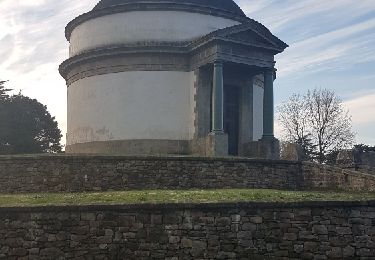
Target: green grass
186,196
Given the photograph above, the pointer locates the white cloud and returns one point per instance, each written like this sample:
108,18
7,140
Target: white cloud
362,109
250,7
323,35
33,44
334,50
277,14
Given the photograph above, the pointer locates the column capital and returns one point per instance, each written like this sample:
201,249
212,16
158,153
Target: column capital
218,62
269,70
272,71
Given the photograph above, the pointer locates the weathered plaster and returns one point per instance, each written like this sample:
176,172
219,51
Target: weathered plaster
130,106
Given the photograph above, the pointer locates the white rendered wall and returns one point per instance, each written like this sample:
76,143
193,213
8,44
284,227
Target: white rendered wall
258,112
130,106
138,26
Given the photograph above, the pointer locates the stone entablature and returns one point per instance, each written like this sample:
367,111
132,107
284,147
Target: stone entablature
103,173
308,230
229,45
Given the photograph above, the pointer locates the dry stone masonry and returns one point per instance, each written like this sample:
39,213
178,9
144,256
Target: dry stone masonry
25,174
357,159
310,230
174,232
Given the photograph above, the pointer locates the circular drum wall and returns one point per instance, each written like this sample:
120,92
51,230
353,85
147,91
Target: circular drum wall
138,106
130,27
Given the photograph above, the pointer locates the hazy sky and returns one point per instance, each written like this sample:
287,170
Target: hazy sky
332,45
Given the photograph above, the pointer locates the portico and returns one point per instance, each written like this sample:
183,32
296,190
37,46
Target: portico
235,135
234,66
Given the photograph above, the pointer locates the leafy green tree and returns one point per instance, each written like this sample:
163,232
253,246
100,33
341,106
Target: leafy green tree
307,145
27,127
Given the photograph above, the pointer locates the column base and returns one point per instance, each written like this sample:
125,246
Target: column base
265,148
217,144
269,148
292,152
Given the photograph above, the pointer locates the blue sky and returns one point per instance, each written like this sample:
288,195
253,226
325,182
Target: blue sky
332,45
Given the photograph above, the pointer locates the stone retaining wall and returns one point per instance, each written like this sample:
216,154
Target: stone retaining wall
68,173
214,231
325,177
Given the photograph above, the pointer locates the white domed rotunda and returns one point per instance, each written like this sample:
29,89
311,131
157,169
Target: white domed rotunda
170,77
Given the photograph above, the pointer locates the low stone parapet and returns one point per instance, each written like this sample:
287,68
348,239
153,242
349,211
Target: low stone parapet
325,177
71,173
357,159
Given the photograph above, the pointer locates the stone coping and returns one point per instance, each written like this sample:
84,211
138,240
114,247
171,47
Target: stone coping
142,157
345,170
190,206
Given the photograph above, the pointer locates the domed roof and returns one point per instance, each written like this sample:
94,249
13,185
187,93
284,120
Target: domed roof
222,5
222,8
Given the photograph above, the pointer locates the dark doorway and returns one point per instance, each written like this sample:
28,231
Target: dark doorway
231,117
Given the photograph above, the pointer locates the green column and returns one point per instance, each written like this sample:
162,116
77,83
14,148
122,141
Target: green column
218,99
268,106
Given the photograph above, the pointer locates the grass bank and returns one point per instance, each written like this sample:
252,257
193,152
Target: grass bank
185,196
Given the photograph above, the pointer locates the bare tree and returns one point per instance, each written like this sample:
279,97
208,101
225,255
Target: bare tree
293,117
318,122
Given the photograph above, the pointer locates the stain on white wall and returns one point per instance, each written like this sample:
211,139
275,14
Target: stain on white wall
130,106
